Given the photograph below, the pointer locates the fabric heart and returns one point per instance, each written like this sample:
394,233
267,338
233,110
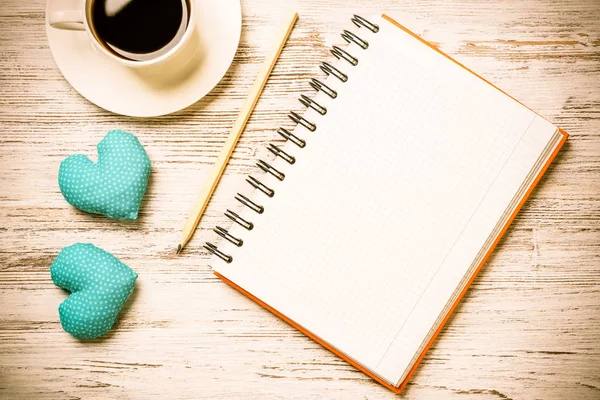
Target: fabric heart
99,284
115,185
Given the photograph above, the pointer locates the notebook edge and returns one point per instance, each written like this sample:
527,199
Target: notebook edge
307,333
402,27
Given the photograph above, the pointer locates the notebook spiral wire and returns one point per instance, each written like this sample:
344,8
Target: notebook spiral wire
308,102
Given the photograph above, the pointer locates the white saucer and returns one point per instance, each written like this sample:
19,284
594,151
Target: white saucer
139,93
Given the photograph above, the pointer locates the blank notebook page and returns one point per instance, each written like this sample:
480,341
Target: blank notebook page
384,211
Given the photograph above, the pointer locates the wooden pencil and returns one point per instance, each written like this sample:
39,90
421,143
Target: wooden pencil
236,131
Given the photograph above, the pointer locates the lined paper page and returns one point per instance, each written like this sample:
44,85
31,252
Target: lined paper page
384,211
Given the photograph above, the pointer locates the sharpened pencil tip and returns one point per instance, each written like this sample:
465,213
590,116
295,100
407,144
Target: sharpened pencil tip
179,248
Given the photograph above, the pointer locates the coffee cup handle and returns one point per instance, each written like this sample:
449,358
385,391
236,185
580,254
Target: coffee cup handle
66,14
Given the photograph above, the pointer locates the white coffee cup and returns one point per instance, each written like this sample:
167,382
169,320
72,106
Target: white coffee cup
77,15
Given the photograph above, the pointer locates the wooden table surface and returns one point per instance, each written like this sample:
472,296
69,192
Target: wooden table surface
528,328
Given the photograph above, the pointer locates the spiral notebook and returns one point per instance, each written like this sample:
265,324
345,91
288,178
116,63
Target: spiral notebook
366,227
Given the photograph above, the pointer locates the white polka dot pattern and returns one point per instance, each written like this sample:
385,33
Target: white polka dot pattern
99,284
115,185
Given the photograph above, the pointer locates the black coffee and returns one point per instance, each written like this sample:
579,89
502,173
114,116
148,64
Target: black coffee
139,29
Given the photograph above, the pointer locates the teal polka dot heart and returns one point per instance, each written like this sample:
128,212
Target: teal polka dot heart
115,185
99,284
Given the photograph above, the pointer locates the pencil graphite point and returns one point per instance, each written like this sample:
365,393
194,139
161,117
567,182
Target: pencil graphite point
179,248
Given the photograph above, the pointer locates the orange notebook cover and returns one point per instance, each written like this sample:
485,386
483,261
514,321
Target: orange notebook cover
504,228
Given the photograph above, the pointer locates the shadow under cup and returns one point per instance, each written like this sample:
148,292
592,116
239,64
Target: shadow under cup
138,30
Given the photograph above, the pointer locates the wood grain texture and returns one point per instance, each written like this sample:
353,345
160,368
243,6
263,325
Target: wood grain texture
528,328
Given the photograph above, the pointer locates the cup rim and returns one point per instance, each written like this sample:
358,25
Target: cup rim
146,63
